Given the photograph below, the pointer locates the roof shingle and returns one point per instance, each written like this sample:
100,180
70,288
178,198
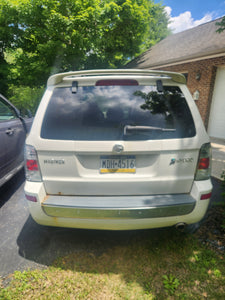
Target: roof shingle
198,42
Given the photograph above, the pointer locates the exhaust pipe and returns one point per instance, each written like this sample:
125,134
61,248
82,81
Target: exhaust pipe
181,226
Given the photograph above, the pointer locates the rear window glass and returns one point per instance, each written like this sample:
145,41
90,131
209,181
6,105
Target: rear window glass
100,113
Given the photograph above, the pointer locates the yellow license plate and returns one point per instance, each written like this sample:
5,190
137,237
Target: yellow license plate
117,164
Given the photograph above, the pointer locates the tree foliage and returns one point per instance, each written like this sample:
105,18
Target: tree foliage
25,98
42,37
7,31
221,25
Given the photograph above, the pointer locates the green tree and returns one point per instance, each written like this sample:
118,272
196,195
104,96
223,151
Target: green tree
221,25
25,98
50,36
3,72
8,32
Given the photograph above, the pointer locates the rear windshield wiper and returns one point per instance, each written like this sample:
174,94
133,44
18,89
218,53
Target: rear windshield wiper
145,128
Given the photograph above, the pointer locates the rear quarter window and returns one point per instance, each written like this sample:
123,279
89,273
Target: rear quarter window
96,113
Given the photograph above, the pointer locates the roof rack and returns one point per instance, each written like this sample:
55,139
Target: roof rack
58,78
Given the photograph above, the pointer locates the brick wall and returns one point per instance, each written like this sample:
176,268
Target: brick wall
207,70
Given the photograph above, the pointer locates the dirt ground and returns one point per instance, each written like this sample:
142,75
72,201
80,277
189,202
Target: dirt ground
212,231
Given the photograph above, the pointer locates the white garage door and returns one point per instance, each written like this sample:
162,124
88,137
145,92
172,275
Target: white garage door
216,126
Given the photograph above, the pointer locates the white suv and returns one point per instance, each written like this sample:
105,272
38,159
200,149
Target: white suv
117,150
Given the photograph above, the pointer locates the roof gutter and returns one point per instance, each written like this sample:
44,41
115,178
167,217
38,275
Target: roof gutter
185,61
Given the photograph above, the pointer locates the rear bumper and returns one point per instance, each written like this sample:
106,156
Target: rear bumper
118,212
123,207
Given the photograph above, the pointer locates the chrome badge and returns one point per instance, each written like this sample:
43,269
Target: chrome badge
118,148
181,160
53,161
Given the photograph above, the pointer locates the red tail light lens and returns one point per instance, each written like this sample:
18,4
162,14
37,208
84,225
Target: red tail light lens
204,163
32,167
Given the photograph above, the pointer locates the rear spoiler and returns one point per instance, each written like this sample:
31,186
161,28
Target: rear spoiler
58,78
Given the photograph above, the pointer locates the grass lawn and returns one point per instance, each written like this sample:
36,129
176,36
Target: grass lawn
156,264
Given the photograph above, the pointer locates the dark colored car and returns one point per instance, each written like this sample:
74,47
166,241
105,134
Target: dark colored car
13,131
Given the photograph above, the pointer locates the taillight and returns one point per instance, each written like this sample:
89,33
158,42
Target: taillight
31,164
204,163
203,171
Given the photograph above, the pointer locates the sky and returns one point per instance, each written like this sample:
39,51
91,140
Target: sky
185,14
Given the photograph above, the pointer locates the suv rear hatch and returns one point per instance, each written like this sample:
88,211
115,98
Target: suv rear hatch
118,137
